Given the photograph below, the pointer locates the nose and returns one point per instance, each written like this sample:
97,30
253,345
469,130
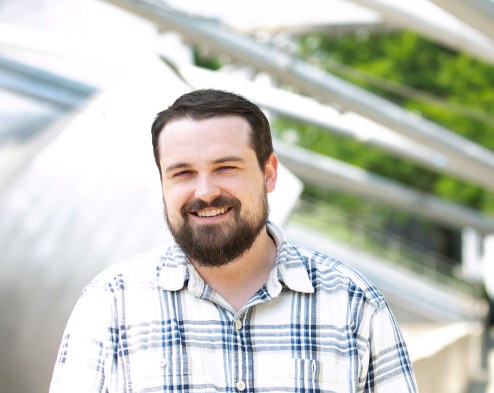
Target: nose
206,189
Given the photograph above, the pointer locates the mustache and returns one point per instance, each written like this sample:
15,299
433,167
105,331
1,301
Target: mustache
218,202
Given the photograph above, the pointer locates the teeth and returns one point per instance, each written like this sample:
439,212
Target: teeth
211,212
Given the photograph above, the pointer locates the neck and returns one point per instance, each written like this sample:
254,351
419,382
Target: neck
240,279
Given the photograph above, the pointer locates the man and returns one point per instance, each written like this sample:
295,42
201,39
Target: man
232,305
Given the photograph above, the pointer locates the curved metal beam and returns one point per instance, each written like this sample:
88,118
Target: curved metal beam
434,22
330,173
477,13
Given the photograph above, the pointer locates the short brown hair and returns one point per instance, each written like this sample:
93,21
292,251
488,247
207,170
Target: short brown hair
207,103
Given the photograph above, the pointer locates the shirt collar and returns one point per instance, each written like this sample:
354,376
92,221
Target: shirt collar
290,268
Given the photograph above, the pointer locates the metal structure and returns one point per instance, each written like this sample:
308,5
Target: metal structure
477,13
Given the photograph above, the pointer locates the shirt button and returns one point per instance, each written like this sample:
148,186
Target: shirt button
162,362
238,324
240,386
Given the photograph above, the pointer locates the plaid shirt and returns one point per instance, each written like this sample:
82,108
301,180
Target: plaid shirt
151,324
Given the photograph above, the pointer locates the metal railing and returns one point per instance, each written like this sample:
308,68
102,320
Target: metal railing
379,242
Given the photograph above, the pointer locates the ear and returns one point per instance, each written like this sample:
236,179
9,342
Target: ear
271,172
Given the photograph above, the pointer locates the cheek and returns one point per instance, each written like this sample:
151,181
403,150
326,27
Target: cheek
175,194
250,199
172,202
244,185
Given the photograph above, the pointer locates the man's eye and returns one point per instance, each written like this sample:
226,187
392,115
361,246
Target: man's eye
226,168
181,173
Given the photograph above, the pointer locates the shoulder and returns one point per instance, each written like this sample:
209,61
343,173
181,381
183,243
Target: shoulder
138,270
327,272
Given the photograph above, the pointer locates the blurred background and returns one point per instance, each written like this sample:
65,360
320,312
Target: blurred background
383,117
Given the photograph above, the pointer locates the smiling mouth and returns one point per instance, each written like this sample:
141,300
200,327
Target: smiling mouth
211,212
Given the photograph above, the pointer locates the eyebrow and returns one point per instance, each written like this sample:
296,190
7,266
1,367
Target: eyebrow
229,159
176,166
222,160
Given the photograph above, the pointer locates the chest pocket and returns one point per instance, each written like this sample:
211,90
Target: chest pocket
285,374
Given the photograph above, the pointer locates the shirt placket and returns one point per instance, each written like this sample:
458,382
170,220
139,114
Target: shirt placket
242,374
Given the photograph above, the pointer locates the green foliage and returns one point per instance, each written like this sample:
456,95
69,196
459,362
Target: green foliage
202,58
449,88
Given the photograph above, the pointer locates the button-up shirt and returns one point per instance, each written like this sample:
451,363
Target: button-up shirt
151,324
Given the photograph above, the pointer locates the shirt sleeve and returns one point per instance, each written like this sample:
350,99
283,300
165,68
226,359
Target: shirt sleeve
86,354
389,367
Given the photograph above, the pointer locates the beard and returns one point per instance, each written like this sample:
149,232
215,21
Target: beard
215,245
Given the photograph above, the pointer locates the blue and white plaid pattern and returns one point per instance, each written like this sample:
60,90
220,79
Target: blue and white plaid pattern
151,324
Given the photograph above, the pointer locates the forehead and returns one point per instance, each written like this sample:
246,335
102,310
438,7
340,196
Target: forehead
215,135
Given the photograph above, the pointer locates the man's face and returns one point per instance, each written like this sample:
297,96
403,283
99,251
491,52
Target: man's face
214,192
